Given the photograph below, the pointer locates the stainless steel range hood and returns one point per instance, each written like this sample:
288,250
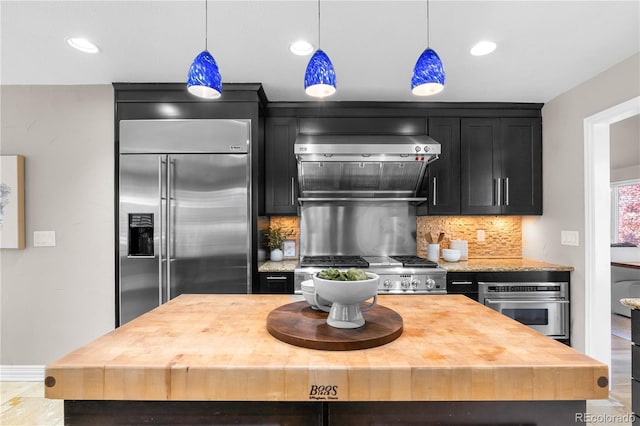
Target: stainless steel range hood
363,167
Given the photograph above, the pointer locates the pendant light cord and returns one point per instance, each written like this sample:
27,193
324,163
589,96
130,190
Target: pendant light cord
206,25
428,26
318,24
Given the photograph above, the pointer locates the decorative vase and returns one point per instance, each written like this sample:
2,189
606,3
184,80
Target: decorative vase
276,255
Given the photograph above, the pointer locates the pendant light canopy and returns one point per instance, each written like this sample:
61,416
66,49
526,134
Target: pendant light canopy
320,77
204,79
428,74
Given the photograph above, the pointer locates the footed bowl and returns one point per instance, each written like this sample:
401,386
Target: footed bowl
346,297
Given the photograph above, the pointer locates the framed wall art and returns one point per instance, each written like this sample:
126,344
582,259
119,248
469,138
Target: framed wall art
12,235
289,250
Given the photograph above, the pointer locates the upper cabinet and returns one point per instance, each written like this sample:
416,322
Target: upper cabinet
490,161
442,182
501,166
280,169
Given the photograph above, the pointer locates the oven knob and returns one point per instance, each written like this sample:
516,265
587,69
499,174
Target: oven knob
415,283
430,283
404,284
387,284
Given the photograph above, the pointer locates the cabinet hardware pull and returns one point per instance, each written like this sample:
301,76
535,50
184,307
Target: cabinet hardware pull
434,190
292,191
506,191
461,282
276,278
162,231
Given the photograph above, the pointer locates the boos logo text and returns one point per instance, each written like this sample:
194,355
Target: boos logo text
323,392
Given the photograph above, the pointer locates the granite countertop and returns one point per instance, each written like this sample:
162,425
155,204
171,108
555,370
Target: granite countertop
632,303
501,265
471,265
286,265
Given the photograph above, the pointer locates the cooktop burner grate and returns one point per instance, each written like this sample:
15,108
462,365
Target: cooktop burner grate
415,261
335,261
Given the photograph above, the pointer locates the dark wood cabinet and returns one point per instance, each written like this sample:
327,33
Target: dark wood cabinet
276,283
501,166
281,175
442,182
635,363
490,164
465,283
521,161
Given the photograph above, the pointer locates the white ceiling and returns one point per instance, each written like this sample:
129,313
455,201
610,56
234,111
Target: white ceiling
544,47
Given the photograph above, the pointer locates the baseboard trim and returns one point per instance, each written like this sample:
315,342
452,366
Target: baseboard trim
21,373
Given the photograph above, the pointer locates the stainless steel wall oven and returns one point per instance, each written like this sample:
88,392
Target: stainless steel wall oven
543,306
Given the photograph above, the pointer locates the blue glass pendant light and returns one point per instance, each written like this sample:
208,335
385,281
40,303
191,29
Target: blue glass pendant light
204,78
320,77
428,74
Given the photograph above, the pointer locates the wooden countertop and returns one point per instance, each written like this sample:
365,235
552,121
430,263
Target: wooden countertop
501,265
217,347
631,265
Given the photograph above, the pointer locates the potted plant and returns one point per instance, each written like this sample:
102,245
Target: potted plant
274,236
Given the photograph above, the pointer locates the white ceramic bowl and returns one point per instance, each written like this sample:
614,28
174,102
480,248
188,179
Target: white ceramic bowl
309,293
347,292
451,255
346,297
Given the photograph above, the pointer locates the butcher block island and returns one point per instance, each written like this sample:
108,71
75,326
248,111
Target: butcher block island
209,359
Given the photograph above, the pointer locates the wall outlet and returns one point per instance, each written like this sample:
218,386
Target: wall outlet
569,238
44,238
480,235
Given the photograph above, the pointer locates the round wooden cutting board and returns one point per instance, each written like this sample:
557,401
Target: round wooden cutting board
299,325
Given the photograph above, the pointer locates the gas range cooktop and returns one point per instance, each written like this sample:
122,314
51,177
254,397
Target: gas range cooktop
334,261
367,261
401,274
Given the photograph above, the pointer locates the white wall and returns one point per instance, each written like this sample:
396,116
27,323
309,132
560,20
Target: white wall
563,176
55,299
624,138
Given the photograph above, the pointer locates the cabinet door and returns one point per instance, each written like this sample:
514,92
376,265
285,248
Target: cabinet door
480,166
276,283
281,176
521,152
443,176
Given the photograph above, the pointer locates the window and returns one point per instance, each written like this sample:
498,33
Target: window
625,217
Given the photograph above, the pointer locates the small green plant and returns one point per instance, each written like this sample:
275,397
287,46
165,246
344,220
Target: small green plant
274,236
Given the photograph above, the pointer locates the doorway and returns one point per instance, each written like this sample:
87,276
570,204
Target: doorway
597,227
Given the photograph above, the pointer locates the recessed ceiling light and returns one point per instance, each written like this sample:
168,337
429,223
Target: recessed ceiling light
82,44
483,48
301,48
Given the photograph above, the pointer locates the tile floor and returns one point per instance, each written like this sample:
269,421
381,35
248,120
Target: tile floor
23,403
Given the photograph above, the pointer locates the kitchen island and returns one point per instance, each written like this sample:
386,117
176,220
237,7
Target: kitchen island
209,359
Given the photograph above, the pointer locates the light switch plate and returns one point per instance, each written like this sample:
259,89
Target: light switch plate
480,235
569,238
44,238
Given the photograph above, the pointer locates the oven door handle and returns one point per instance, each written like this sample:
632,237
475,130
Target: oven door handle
493,301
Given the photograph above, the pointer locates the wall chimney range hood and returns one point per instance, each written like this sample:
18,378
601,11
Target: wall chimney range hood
363,167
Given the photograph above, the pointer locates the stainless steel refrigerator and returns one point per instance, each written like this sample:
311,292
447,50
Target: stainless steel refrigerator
184,210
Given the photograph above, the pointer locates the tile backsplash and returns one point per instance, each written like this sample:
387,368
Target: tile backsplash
503,234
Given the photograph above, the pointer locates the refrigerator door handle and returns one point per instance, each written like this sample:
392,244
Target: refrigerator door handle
169,228
160,258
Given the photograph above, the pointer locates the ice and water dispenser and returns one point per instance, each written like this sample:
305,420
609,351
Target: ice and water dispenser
141,235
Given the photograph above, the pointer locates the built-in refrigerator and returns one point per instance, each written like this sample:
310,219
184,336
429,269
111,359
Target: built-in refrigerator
184,211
